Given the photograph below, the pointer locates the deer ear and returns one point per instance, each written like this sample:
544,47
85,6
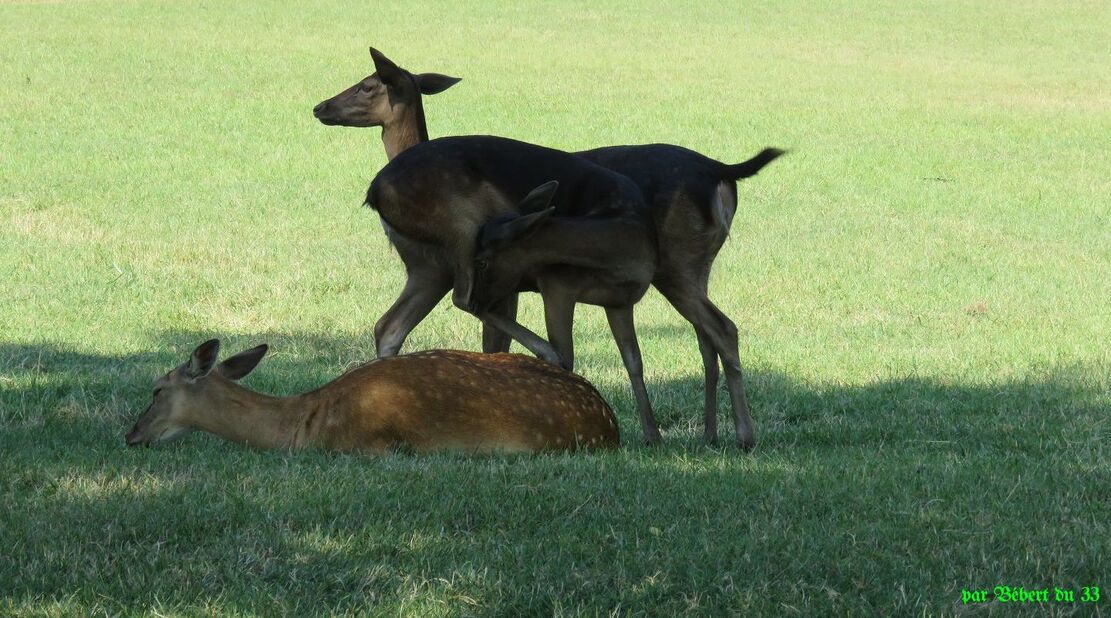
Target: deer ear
388,72
520,227
203,359
539,198
241,364
435,83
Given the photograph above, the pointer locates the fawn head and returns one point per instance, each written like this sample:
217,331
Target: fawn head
497,275
189,390
382,97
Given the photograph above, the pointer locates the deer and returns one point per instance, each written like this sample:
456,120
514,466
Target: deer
692,200
430,401
441,192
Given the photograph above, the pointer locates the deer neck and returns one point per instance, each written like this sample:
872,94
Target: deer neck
408,130
243,416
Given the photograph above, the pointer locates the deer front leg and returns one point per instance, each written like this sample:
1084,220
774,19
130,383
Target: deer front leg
559,317
494,340
423,289
523,336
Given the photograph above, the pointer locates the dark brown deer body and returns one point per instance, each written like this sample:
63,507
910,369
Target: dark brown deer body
429,401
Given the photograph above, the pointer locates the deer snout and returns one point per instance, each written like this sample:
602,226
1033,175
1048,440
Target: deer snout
134,437
321,109
137,435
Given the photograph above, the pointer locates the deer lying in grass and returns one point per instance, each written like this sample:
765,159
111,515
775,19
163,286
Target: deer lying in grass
435,400
692,200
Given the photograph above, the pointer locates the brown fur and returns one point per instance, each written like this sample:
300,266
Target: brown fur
428,401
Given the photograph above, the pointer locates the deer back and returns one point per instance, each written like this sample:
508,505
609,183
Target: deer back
465,401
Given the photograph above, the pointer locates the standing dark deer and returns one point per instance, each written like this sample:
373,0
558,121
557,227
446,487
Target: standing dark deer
391,98
428,401
692,200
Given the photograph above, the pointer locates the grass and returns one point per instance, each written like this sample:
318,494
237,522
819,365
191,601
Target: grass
922,287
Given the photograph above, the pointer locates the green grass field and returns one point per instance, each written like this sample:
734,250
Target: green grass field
923,288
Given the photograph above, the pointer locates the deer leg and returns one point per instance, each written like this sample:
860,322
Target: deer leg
710,370
533,342
708,349
734,376
423,289
721,332
624,333
494,340
559,318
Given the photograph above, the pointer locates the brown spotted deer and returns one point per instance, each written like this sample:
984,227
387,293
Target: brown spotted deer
437,400
692,200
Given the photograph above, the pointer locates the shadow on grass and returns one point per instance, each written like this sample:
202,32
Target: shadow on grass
56,386
205,524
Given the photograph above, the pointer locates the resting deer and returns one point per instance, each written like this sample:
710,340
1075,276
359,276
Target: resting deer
437,400
692,200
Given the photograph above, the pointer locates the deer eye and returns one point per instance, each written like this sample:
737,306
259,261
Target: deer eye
365,88
481,265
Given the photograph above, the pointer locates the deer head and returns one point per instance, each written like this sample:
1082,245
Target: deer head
190,391
495,274
381,98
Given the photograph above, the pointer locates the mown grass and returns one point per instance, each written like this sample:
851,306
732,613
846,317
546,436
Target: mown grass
922,286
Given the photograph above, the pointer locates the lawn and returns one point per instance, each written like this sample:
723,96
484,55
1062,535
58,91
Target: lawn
923,290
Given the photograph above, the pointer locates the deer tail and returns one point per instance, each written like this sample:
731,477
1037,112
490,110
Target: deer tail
747,169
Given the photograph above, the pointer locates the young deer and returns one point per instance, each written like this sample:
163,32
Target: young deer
435,400
602,260
692,200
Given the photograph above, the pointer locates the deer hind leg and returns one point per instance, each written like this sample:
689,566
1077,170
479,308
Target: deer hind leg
711,372
696,285
624,333
494,340
734,376
721,333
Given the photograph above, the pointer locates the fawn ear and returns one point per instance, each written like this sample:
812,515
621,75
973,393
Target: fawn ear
533,210
203,359
241,364
520,227
435,83
388,72
539,198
